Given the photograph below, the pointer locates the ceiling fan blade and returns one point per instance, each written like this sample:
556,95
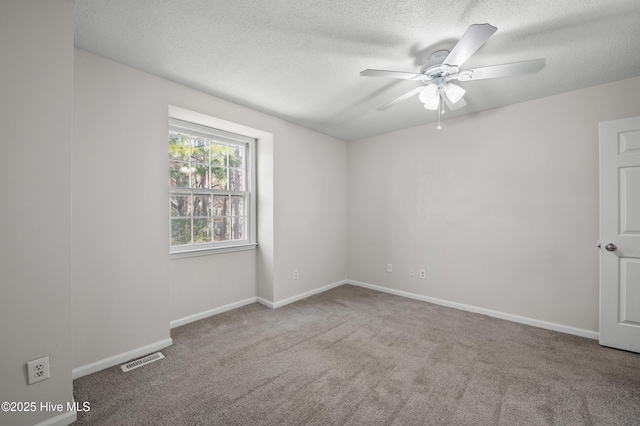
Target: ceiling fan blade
504,70
475,36
401,98
452,107
389,74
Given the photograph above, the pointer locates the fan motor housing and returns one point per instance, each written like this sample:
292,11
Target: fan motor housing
434,68
435,59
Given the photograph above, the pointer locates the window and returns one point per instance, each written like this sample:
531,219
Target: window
211,188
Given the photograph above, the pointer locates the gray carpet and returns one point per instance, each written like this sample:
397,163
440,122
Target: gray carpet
352,356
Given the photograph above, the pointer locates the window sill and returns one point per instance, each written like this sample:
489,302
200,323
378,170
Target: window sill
212,251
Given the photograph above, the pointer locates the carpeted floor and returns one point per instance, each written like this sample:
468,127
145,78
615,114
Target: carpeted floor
352,356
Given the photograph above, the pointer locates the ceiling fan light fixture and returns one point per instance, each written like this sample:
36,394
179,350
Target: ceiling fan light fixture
433,103
453,92
432,107
428,92
429,97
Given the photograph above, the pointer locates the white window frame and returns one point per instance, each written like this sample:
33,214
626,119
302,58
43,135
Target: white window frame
203,130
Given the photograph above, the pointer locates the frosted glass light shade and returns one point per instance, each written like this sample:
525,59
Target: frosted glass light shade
453,92
429,97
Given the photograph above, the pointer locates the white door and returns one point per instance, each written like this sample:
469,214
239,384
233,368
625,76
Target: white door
620,234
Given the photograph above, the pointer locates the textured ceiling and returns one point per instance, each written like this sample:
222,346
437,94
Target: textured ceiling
300,59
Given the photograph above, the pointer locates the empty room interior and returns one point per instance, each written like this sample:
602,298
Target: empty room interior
308,212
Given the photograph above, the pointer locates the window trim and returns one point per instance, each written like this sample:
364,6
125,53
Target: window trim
199,127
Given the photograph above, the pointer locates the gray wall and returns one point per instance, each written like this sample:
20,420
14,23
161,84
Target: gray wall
36,78
500,208
126,288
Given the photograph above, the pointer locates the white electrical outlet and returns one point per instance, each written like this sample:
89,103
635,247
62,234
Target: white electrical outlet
389,267
38,370
412,272
296,275
423,274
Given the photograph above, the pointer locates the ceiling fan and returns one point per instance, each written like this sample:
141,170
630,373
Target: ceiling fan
443,66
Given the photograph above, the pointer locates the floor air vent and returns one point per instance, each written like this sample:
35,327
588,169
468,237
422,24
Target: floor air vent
142,361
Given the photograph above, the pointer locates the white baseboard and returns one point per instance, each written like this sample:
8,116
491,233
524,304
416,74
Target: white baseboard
63,419
120,358
281,303
211,312
265,302
496,314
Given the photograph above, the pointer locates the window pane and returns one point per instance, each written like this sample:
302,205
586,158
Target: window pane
178,146
219,178
237,205
236,180
238,228
200,178
180,231
221,228
201,205
236,156
180,205
179,174
201,231
220,205
208,181
200,150
219,154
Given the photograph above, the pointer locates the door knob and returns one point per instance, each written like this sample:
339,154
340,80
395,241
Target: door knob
611,247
